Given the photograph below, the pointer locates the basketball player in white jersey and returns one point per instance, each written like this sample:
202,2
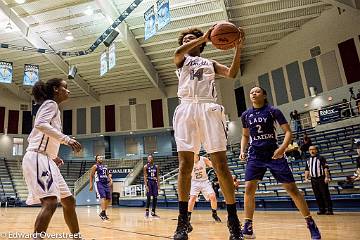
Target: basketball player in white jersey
200,120
41,163
200,184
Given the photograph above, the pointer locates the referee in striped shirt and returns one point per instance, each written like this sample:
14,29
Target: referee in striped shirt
318,170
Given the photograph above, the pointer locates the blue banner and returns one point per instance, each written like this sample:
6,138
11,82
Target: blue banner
6,72
112,56
31,74
163,13
150,23
103,64
329,114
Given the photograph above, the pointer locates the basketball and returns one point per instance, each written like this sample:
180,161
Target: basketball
224,35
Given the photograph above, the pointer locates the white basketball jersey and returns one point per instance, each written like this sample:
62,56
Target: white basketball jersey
199,170
196,79
46,136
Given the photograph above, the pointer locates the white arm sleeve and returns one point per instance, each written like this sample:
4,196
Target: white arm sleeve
44,117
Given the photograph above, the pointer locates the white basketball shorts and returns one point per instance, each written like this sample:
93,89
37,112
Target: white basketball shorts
201,186
43,178
200,123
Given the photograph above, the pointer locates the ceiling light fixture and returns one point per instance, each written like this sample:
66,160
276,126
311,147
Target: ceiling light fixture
69,37
89,11
313,91
20,1
8,27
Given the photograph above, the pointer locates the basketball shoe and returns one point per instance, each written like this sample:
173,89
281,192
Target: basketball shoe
216,217
146,214
102,215
235,229
314,231
190,228
153,214
248,230
182,229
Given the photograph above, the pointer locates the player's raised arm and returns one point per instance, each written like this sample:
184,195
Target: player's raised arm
231,72
187,43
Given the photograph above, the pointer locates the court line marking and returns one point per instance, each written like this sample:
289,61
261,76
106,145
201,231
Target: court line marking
127,231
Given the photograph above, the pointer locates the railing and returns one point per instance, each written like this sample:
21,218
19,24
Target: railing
139,190
83,180
346,109
10,177
164,178
2,187
134,191
132,176
343,110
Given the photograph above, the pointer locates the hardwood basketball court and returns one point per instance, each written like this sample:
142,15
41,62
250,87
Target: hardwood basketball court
129,223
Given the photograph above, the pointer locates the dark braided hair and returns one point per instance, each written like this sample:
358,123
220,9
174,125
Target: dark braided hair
195,31
43,91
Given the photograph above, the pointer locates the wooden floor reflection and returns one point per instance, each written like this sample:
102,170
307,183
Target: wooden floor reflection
129,223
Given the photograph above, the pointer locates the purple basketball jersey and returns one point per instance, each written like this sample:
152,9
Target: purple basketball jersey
152,172
102,173
261,123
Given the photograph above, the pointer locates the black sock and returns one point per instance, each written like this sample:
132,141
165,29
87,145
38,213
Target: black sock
148,199
103,212
189,215
214,211
183,209
154,203
231,209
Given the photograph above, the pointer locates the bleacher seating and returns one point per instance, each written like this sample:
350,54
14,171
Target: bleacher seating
71,171
165,163
334,145
7,189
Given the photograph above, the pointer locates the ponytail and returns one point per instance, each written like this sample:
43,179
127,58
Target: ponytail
39,92
264,92
43,91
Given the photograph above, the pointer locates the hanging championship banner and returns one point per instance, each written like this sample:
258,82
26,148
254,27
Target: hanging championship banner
112,56
163,13
103,64
6,72
150,23
31,74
